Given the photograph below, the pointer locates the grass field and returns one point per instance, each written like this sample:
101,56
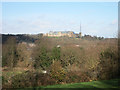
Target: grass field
93,84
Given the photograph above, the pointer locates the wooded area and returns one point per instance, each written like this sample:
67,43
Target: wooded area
30,61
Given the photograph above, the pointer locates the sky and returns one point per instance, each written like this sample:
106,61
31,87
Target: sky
96,18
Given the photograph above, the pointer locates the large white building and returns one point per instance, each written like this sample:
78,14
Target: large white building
60,34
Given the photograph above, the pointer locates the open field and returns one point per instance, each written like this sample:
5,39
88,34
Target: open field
93,84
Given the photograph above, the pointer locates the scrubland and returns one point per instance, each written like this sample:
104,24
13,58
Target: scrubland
58,61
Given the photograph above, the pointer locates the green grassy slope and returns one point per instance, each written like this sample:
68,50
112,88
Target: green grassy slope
93,84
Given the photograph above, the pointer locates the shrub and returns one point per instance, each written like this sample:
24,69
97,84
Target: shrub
56,53
23,80
10,54
108,66
31,79
5,82
57,72
44,54
42,58
68,57
76,77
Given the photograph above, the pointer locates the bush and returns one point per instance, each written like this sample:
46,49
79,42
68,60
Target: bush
108,54
31,79
44,54
56,53
5,82
9,54
108,66
68,57
42,58
23,80
57,72
76,77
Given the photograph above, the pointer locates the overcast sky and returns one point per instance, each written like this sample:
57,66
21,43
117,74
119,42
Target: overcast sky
96,18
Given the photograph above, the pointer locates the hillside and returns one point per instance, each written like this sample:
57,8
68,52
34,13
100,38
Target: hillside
64,60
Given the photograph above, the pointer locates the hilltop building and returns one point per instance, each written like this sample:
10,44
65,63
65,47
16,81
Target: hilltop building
60,34
64,33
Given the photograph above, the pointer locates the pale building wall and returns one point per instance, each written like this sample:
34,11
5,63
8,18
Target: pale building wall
69,34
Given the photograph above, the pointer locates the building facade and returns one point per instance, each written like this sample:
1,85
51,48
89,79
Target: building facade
63,34
60,34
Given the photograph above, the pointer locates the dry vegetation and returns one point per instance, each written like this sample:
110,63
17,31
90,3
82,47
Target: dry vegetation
76,60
